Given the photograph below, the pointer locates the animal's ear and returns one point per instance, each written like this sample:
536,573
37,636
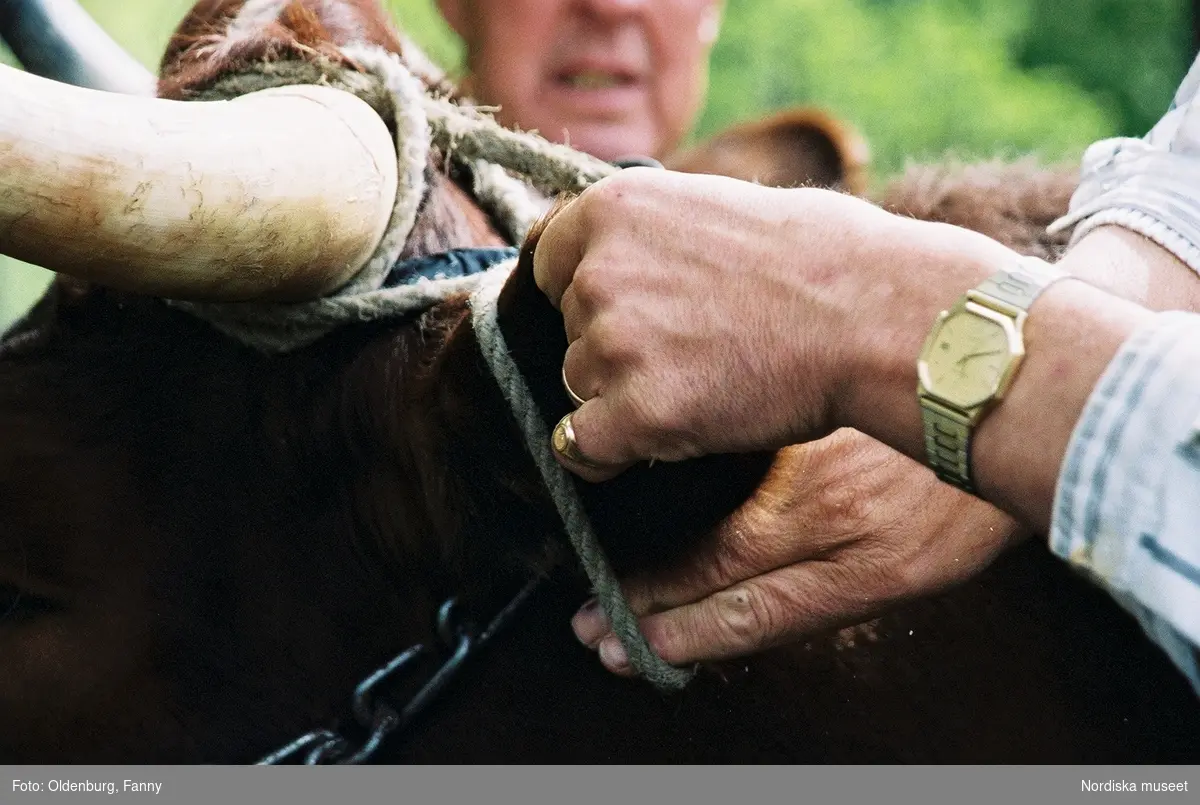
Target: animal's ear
802,146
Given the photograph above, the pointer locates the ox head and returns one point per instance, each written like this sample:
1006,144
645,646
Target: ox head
203,547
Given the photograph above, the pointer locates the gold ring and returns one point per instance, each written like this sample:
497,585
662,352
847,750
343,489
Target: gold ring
575,398
563,442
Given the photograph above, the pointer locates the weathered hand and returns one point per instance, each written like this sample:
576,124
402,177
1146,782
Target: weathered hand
672,288
710,315
843,529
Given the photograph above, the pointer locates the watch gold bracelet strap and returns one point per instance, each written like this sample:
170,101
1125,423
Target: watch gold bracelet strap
947,430
948,444
1020,286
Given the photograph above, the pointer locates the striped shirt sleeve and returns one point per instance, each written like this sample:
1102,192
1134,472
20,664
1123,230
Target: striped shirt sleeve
1127,505
1150,185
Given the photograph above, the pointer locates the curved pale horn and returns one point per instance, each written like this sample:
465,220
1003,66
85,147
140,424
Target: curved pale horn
279,195
58,39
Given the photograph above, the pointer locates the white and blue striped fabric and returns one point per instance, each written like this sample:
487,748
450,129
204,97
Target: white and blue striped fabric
1127,507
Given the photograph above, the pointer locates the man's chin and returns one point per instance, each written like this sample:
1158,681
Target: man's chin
612,143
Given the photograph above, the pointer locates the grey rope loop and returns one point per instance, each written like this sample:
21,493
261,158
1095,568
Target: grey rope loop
495,156
471,135
561,487
467,136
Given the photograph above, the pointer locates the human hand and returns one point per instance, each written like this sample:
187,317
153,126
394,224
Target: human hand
708,315
843,529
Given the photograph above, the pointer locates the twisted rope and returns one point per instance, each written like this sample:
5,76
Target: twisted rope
466,135
562,490
473,136
494,155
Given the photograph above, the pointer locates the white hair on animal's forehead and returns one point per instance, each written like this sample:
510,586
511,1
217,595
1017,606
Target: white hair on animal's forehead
253,15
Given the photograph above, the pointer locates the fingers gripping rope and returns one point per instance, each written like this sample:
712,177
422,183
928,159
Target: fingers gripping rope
561,487
475,140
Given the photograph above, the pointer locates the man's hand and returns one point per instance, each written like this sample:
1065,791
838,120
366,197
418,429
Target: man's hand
707,315
843,529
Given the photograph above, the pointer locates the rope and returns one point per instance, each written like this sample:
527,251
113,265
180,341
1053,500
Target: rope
562,490
466,135
470,137
281,327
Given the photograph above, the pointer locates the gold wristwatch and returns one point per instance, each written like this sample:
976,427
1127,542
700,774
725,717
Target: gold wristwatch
969,360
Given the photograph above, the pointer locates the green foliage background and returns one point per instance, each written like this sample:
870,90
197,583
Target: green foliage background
919,78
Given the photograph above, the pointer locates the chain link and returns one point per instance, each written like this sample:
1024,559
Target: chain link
458,642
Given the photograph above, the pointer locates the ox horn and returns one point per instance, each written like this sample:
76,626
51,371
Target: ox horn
278,195
58,39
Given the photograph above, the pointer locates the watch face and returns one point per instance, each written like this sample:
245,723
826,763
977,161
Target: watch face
967,359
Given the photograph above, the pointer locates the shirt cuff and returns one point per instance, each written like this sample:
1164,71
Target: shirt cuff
1149,191
1147,185
1128,499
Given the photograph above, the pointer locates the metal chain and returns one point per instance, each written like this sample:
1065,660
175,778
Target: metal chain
458,643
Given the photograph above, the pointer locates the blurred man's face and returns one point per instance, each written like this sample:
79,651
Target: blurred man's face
614,78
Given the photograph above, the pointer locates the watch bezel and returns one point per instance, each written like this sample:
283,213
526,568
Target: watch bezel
975,405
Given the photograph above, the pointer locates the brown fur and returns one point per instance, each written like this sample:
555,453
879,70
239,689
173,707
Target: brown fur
202,51
213,546
1013,203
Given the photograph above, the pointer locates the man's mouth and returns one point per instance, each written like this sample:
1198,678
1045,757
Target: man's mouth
595,79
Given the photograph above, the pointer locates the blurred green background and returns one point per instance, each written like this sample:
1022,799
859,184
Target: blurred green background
919,78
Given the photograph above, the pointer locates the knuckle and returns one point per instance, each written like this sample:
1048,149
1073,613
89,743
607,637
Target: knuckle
612,199
869,484
592,286
607,195
745,617
839,501
667,419
613,341
669,439
653,424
